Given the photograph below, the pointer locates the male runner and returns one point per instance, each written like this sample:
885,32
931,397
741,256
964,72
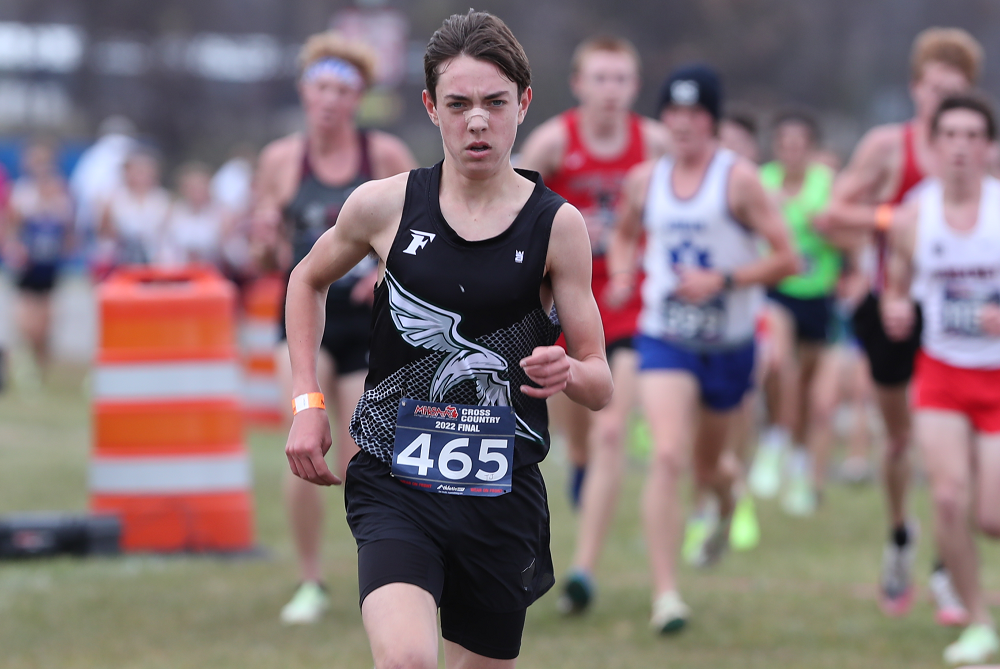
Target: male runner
889,161
303,181
703,212
583,154
445,497
800,311
946,245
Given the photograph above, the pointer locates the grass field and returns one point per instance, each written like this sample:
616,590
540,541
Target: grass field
805,598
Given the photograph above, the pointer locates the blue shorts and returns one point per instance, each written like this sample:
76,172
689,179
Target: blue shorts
723,376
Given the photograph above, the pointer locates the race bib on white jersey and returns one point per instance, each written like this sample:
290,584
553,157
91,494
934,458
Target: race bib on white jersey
960,311
702,323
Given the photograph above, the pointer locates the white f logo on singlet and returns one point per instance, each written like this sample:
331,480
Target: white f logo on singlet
419,241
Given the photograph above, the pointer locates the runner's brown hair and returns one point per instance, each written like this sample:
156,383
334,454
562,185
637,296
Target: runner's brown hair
478,35
971,101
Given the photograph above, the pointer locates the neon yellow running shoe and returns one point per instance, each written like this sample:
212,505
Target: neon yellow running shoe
640,439
744,534
696,532
977,644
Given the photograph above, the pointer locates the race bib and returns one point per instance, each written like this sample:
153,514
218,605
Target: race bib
960,312
455,449
704,322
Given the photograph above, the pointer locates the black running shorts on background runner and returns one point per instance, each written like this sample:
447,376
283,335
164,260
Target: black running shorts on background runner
891,361
623,344
38,278
483,559
347,334
812,316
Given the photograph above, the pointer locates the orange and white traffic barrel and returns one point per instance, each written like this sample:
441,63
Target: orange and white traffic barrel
261,393
168,450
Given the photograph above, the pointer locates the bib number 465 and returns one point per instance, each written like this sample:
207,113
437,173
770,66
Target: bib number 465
453,462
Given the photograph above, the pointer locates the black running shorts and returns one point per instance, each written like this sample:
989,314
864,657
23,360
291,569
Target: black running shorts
623,344
38,278
812,316
483,559
347,334
891,361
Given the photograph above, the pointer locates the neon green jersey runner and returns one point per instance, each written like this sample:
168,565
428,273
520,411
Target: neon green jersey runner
821,262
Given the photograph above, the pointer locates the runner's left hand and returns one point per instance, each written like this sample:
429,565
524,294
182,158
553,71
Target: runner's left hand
698,285
989,319
898,317
548,366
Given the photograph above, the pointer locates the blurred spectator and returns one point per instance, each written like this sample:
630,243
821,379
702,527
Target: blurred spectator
98,173
197,224
232,183
41,221
133,217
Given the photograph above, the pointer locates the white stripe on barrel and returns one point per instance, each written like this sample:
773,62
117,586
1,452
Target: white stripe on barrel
261,391
259,336
167,380
169,475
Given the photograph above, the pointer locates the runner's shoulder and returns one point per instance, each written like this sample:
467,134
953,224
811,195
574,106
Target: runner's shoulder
283,150
380,198
390,154
550,134
744,172
569,241
545,144
655,137
637,179
881,141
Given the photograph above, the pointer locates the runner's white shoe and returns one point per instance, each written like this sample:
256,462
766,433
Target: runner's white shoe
896,582
950,609
799,499
307,605
670,613
764,480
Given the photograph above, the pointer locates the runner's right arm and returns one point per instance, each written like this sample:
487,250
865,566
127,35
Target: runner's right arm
269,247
898,310
544,148
623,249
859,188
368,221
581,370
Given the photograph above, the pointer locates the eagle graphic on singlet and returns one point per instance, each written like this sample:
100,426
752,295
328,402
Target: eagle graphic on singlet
424,325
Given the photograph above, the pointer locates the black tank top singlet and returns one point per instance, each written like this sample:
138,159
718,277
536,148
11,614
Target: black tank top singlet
314,210
453,318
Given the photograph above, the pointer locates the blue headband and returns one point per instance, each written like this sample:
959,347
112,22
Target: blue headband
335,67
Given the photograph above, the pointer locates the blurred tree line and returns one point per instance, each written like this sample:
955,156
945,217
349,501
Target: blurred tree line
847,60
